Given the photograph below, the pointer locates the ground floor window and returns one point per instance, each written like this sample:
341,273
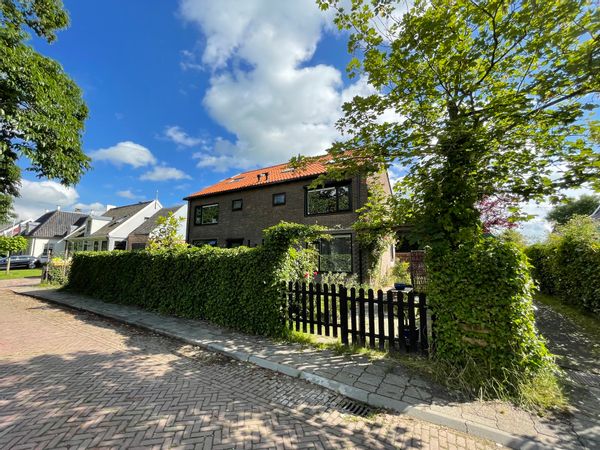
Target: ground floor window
48,249
120,245
232,243
96,246
138,246
201,242
335,254
104,245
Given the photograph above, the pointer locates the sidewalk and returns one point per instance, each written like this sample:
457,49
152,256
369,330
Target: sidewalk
379,383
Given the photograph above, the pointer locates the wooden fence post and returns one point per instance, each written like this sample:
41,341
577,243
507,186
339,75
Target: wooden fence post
344,314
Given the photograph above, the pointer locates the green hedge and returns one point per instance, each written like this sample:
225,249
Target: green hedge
568,264
238,288
481,295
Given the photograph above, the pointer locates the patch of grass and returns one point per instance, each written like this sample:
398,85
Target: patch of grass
588,322
20,273
540,393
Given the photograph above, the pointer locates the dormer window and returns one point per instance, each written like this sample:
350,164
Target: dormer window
262,176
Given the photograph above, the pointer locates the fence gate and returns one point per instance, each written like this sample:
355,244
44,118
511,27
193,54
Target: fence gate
394,320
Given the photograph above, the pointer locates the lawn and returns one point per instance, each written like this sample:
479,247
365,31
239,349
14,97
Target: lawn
20,273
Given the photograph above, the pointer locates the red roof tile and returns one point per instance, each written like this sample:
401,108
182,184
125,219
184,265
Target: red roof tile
265,176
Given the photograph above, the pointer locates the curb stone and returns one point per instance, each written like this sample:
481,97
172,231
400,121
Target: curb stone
361,395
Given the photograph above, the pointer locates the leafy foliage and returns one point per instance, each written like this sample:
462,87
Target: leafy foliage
58,271
513,236
42,113
166,235
584,205
238,288
497,213
568,264
489,97
481,296
10,245
373,229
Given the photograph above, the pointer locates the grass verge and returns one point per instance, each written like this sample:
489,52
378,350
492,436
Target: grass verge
20,273
541,393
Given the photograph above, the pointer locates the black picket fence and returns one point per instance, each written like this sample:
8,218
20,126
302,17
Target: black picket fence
393,321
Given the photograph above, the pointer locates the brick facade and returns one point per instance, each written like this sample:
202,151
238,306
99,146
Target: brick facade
258,213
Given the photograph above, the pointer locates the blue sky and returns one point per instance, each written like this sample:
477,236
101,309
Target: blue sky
183,94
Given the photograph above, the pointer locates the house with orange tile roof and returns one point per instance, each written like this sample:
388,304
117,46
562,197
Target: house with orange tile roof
236,210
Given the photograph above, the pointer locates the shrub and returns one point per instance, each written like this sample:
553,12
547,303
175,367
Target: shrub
239,288
568,264
58,271
481,295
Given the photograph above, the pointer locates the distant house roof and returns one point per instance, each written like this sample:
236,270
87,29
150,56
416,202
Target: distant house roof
280,173
150,224
596,214
118,216
56,224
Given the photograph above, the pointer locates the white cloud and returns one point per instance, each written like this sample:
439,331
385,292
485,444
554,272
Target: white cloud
538,228
262,90
126,152
180,137
90,208
39,196
127,194
164,173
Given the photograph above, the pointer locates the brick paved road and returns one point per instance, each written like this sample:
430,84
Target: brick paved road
72,379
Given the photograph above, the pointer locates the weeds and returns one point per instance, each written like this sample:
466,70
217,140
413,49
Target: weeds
540,392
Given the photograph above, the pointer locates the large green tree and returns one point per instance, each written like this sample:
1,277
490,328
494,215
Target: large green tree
474,99
582,206
42,112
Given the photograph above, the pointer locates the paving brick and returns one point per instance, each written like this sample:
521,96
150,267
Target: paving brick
72,380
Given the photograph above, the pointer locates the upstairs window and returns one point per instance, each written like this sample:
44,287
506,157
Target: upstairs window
328,200
237,205
206,214
279,199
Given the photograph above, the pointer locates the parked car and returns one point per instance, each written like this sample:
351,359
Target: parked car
21,262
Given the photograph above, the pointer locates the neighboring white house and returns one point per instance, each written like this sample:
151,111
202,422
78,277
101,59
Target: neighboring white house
15,229
110,230
48,232
138,239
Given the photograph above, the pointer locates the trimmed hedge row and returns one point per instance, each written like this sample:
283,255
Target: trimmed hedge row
481,295
568,265
239,288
